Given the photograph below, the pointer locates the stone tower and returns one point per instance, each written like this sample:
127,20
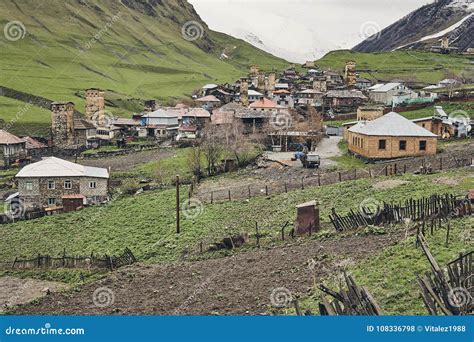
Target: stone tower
261,82
244,92
350,74
62,123
271,81
320,84
95,106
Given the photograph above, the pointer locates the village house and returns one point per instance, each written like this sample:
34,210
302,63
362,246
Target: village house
207,89
160,123
390,136
390,93
363,83
444,126
226,114
45,184
254,95
263,104
85,133
283,98
12,148
310,97
33,146
208,102
344,100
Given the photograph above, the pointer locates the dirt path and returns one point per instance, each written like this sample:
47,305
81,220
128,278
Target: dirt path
241,284
14,291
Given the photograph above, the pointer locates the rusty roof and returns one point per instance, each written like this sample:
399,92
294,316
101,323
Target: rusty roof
7,138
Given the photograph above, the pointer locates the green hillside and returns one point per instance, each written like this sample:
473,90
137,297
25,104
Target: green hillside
414,66
134,50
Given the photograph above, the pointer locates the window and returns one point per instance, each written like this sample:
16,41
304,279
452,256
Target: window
51,185
92,185
67,185
382,144
402,145
51,201
29,186
422,145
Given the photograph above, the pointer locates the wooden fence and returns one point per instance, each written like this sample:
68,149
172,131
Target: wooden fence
435,206
425,165
451,293
110,262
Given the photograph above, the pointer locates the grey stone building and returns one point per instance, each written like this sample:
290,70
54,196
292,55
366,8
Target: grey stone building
45,183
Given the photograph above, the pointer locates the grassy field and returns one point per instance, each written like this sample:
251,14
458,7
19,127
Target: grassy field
146,222
74,46
417,66
390,276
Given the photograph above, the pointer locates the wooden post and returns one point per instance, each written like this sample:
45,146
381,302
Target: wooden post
249,191
370,173
177,205
302,183
447,234
404,168
266,190
319,179
257,235
200,247
340,176
228,191
441,163
212,197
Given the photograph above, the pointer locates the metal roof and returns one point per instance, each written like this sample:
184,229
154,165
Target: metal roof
7,138
55,167
391,124
382,88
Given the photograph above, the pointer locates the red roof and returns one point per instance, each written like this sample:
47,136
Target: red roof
263,103
281,91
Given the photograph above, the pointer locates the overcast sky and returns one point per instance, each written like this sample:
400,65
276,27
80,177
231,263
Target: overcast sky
299,28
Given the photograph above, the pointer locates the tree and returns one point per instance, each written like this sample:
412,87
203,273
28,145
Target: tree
212,139
194,161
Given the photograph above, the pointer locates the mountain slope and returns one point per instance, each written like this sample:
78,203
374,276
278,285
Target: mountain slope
134,49
425,26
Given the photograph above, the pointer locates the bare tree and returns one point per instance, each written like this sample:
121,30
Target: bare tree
212,139
194,161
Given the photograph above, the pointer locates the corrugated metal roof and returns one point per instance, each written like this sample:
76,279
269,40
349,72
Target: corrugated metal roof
391,124
384,87
55,167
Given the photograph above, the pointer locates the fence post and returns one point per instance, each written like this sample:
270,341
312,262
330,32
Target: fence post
177,205
404,168
370,173
319,179
249,192
228,191
257,235
212,197
441,163
266,190
302,183
340,177
286,188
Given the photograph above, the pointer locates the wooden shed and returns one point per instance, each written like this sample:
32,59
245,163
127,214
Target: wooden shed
73,202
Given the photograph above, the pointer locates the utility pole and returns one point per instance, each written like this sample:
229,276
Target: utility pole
177,205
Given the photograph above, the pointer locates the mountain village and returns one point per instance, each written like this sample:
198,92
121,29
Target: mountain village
295,190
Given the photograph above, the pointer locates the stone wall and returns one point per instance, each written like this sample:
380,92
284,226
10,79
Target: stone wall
40,193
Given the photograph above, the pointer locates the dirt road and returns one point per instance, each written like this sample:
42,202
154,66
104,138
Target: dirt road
241,284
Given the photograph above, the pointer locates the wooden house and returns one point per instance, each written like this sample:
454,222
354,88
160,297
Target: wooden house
390,136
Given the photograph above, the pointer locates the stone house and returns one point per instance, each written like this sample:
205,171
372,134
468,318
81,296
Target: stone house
344,100
159,123
310,97
390,136
208,102
45,183
11,148
283,98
